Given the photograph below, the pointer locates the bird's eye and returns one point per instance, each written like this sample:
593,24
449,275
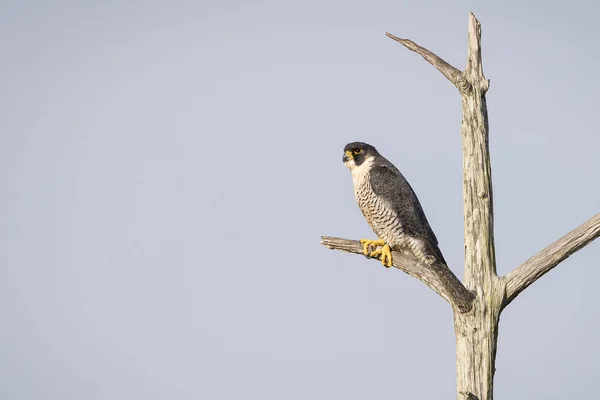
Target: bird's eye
357,151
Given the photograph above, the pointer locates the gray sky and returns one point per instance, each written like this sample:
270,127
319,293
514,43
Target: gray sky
168,168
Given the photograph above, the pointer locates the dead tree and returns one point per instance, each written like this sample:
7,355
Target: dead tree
478,301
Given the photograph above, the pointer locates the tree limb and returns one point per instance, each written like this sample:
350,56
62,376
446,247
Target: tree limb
438,276
451,73
541,263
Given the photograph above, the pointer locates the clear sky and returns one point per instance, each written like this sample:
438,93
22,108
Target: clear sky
168,167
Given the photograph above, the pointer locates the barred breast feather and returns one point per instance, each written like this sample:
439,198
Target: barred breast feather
392,209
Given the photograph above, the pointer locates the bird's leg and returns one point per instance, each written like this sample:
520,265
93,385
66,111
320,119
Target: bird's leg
384,251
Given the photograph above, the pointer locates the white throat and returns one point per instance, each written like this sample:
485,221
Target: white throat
359,172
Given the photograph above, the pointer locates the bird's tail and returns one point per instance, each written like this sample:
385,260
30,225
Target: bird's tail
426,251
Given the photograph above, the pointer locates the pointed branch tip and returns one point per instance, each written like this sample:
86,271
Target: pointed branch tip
451,73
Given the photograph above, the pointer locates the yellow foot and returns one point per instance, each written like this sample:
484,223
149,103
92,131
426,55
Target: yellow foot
370,243
384,251
386,255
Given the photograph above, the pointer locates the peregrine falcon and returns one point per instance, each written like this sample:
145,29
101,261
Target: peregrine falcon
390,206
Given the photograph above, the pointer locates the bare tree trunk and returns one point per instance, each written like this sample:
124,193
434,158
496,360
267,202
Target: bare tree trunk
477,332
478,302
476,340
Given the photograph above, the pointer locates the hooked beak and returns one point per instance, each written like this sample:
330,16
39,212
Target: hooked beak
347,157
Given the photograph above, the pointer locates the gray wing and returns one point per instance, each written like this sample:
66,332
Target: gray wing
388,183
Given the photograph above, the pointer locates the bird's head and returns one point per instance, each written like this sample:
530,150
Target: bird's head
356,153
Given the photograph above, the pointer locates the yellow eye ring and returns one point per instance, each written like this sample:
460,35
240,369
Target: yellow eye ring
357,151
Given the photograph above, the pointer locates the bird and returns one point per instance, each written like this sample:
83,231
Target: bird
390,206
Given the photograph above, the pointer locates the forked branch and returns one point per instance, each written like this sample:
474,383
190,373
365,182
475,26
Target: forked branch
438,277
451,73
538,265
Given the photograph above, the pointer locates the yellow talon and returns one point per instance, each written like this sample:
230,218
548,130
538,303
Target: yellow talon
370,243
386,255
384,251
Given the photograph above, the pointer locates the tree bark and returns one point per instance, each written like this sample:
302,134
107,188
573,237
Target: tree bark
477,333
476,342
541,263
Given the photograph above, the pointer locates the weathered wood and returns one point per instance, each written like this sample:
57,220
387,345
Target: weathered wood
438,277
480,260
453,74
476,334
541,263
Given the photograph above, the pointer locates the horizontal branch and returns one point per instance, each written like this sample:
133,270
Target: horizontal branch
538,265
438,276
451,73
